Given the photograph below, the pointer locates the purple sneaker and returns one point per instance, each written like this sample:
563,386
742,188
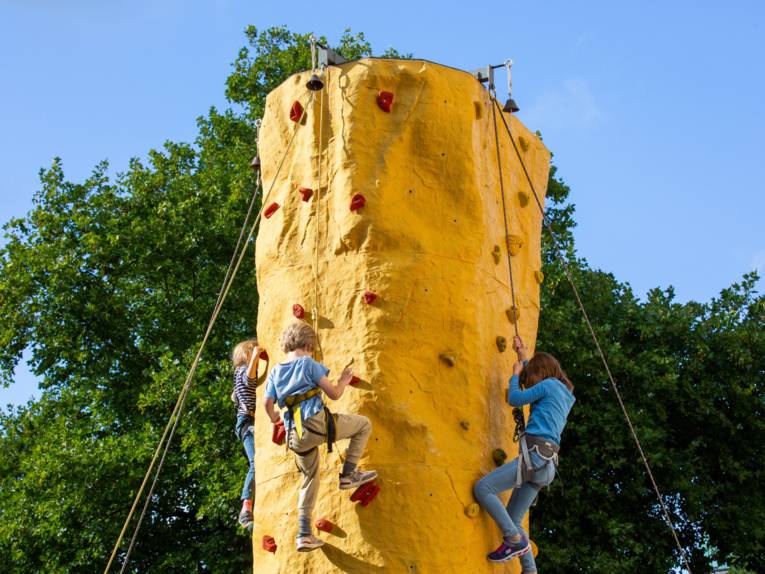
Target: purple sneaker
509,551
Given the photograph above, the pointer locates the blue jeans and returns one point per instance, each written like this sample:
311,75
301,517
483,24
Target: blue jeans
509,519
246,433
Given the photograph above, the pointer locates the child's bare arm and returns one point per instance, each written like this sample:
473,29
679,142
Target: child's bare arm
252,367
268,404
334,392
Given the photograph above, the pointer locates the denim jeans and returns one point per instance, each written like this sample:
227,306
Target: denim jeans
246,433
509,518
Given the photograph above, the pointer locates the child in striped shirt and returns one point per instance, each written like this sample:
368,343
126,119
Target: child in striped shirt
245,360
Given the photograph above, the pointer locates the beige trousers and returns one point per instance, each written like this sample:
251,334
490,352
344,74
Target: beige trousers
355,427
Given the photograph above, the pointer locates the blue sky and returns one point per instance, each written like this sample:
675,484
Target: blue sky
652,109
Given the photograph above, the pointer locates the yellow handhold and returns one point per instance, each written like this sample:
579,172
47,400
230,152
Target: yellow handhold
523,198
515,242
496,254
472,510
513,314
539,277
448,358
465,425
499,456
523,143
501,344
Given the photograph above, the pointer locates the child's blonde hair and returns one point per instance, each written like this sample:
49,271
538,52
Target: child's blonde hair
242,351
297,336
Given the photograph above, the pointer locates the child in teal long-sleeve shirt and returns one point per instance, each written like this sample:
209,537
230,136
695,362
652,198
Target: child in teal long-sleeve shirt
549,392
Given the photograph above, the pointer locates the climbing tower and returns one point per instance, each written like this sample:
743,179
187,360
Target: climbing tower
384,227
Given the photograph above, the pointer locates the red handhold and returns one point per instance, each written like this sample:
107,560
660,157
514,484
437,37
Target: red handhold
385,100
298,311
269,544
365,493
324,525
263,355
358,201
306,192
270,210
354,381
296,111
370,297
279,434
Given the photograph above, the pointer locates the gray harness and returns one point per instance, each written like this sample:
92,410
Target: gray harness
529,443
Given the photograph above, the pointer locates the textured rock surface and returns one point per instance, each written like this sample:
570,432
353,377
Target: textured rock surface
424,243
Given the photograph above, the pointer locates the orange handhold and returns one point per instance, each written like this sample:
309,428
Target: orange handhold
296,111
279,433
306,193
385,100
357,202
270,210
298,311
324,525
263,355
370,297
269,544
365,493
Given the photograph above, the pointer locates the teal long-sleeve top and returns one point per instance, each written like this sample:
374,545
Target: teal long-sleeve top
550,401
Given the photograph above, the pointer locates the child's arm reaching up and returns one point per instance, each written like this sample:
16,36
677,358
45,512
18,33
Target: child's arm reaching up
252,367
334,392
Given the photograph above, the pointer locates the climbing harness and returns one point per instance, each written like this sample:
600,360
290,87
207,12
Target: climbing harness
293,406
546,450
172,423
330,429
569,277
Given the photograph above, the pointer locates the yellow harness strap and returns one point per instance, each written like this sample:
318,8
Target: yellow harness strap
293,404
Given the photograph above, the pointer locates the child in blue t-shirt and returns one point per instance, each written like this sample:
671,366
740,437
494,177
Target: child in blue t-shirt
551,395
296,385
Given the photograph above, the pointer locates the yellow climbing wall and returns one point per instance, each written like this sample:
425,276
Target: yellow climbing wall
425,244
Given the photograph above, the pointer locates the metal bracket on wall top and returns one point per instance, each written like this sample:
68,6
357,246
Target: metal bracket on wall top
328,57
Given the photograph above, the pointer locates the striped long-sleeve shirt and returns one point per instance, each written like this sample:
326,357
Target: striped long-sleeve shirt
244,391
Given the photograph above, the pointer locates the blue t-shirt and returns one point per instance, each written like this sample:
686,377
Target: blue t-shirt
295,378
550,401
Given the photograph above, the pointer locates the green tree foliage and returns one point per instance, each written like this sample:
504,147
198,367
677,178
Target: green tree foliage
110,282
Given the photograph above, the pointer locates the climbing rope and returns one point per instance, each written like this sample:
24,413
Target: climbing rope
507,227
319,157
175,416
559,254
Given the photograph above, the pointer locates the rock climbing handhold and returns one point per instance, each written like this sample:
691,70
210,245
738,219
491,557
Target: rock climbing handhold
448,358
298,311
499,456
263,355
270,210
513,314
472,510
279,434
496,254
269,544
385,100
514,242
539,277
354,381
324,525
501,344
370,297
306,193
296,111
365,493
465,425
357,202
523,198
523,142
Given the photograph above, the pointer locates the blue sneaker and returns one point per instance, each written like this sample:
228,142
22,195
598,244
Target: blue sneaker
508,551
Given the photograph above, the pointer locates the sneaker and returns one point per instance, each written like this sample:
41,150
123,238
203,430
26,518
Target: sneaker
508,551
308,543
245,518
357,478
